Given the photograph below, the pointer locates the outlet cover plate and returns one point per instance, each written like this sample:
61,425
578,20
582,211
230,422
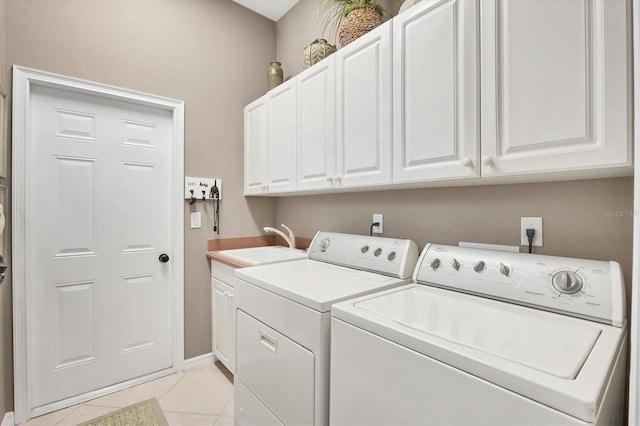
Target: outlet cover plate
378,217
528,223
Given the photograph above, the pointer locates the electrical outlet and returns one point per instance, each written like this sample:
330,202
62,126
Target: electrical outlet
378,217
531,223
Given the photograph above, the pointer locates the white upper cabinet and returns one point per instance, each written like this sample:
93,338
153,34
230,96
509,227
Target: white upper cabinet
281,138
450,91
316,148
363,110
435,98
270,142
255,145
555,85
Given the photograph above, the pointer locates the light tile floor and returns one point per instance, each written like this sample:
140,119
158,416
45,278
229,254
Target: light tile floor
201,396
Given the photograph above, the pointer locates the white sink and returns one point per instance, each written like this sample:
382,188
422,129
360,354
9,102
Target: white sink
262,255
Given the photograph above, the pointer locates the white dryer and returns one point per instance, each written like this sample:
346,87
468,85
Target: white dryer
283,317
487,338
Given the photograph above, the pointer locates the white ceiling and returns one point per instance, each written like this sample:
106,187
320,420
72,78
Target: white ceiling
272,9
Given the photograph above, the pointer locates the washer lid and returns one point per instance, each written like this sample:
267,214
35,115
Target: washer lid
316,285
551,344
559,361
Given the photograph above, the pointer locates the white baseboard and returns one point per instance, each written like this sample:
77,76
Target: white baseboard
8,419
198,361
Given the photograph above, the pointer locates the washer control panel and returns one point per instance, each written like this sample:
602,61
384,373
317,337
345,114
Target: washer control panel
587,289
388,256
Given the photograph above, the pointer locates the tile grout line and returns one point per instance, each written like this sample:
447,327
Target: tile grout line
184,373
75,408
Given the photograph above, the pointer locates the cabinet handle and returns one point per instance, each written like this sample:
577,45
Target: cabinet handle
330,179
338,179
487,160
268,341
467,162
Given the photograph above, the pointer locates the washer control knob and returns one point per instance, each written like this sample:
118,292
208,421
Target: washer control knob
567,282
391,255
435,263
377,252
456,264
504,269
364,249
479,266
324,245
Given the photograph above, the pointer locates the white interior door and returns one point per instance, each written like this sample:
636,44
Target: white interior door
98,213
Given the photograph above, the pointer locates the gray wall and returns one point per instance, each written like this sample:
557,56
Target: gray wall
303,24
213,54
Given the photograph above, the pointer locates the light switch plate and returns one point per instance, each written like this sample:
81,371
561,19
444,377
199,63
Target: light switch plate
196,220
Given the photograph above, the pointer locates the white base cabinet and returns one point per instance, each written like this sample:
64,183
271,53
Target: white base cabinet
223,326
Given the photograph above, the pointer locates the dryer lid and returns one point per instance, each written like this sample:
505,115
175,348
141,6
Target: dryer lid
549,343
316,285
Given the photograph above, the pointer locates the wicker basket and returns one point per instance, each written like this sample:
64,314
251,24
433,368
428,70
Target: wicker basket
357,23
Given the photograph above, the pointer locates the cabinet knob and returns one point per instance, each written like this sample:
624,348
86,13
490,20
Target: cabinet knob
338,179
487,160
467,162
329,178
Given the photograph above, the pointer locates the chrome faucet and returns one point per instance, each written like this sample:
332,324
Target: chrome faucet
290,239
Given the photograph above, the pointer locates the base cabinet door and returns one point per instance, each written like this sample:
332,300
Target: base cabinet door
555,85
435,98
223,324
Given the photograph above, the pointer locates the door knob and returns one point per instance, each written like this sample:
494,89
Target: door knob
164,258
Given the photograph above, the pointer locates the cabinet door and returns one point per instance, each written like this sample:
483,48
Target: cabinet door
222,322
255,142
316,148
435,115
364,110
555,85
281,138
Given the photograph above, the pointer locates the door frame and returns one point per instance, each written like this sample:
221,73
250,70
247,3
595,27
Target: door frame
23,81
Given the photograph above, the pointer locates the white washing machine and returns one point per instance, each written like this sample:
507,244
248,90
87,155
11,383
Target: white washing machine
486,338
283,317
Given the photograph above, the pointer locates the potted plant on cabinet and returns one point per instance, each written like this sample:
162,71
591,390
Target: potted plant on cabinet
352,18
